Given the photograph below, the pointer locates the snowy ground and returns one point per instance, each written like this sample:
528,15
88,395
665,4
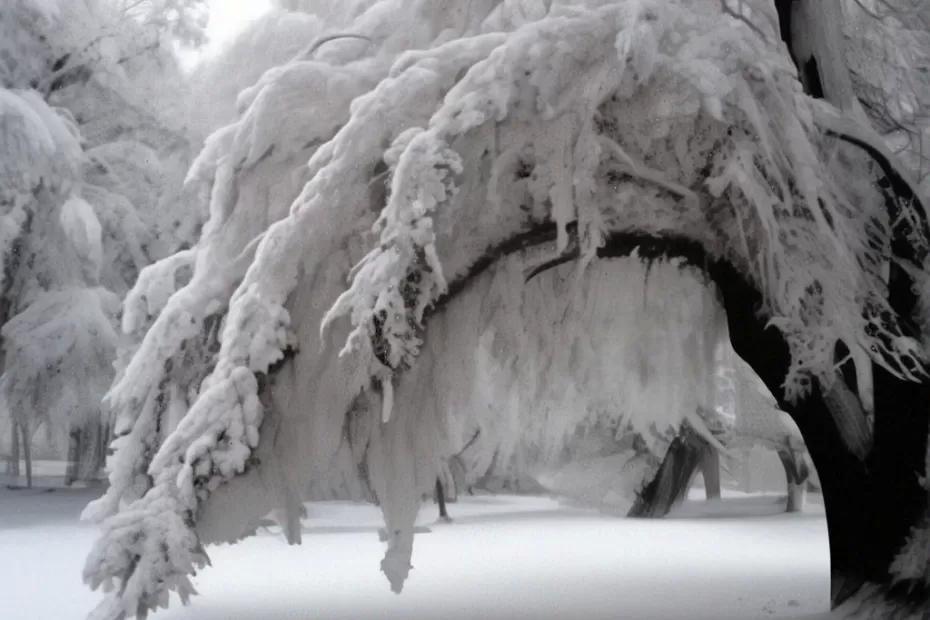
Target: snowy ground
503,557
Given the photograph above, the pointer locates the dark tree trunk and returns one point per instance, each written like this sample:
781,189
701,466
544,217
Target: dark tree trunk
14,451
74,455
441,500
710,469
871,504
27,453
93,450
795,478
671,482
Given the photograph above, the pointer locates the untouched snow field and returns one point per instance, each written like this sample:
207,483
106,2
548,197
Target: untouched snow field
511,557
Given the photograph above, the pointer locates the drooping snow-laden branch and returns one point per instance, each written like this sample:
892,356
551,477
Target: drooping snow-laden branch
767,176
517,122
377,118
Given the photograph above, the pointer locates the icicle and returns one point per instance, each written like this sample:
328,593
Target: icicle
392,466
387,399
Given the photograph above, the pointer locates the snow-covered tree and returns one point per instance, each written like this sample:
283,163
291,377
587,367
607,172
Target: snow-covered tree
888,52
83,223
183,21
271,40
469,162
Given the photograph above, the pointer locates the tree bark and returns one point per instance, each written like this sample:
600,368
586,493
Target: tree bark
815,40
671,482
27,453
92,456
441,500
710,469
74,454
795,478
795,501
14,450
871,504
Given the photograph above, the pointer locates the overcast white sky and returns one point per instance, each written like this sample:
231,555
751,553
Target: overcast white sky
227,19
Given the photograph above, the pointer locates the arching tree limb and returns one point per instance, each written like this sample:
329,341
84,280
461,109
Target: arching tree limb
871,504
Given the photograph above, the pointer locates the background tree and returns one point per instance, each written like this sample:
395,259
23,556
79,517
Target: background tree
83,229
888,53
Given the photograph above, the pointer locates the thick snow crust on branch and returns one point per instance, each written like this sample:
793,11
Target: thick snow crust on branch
741,159
448,134
40,147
